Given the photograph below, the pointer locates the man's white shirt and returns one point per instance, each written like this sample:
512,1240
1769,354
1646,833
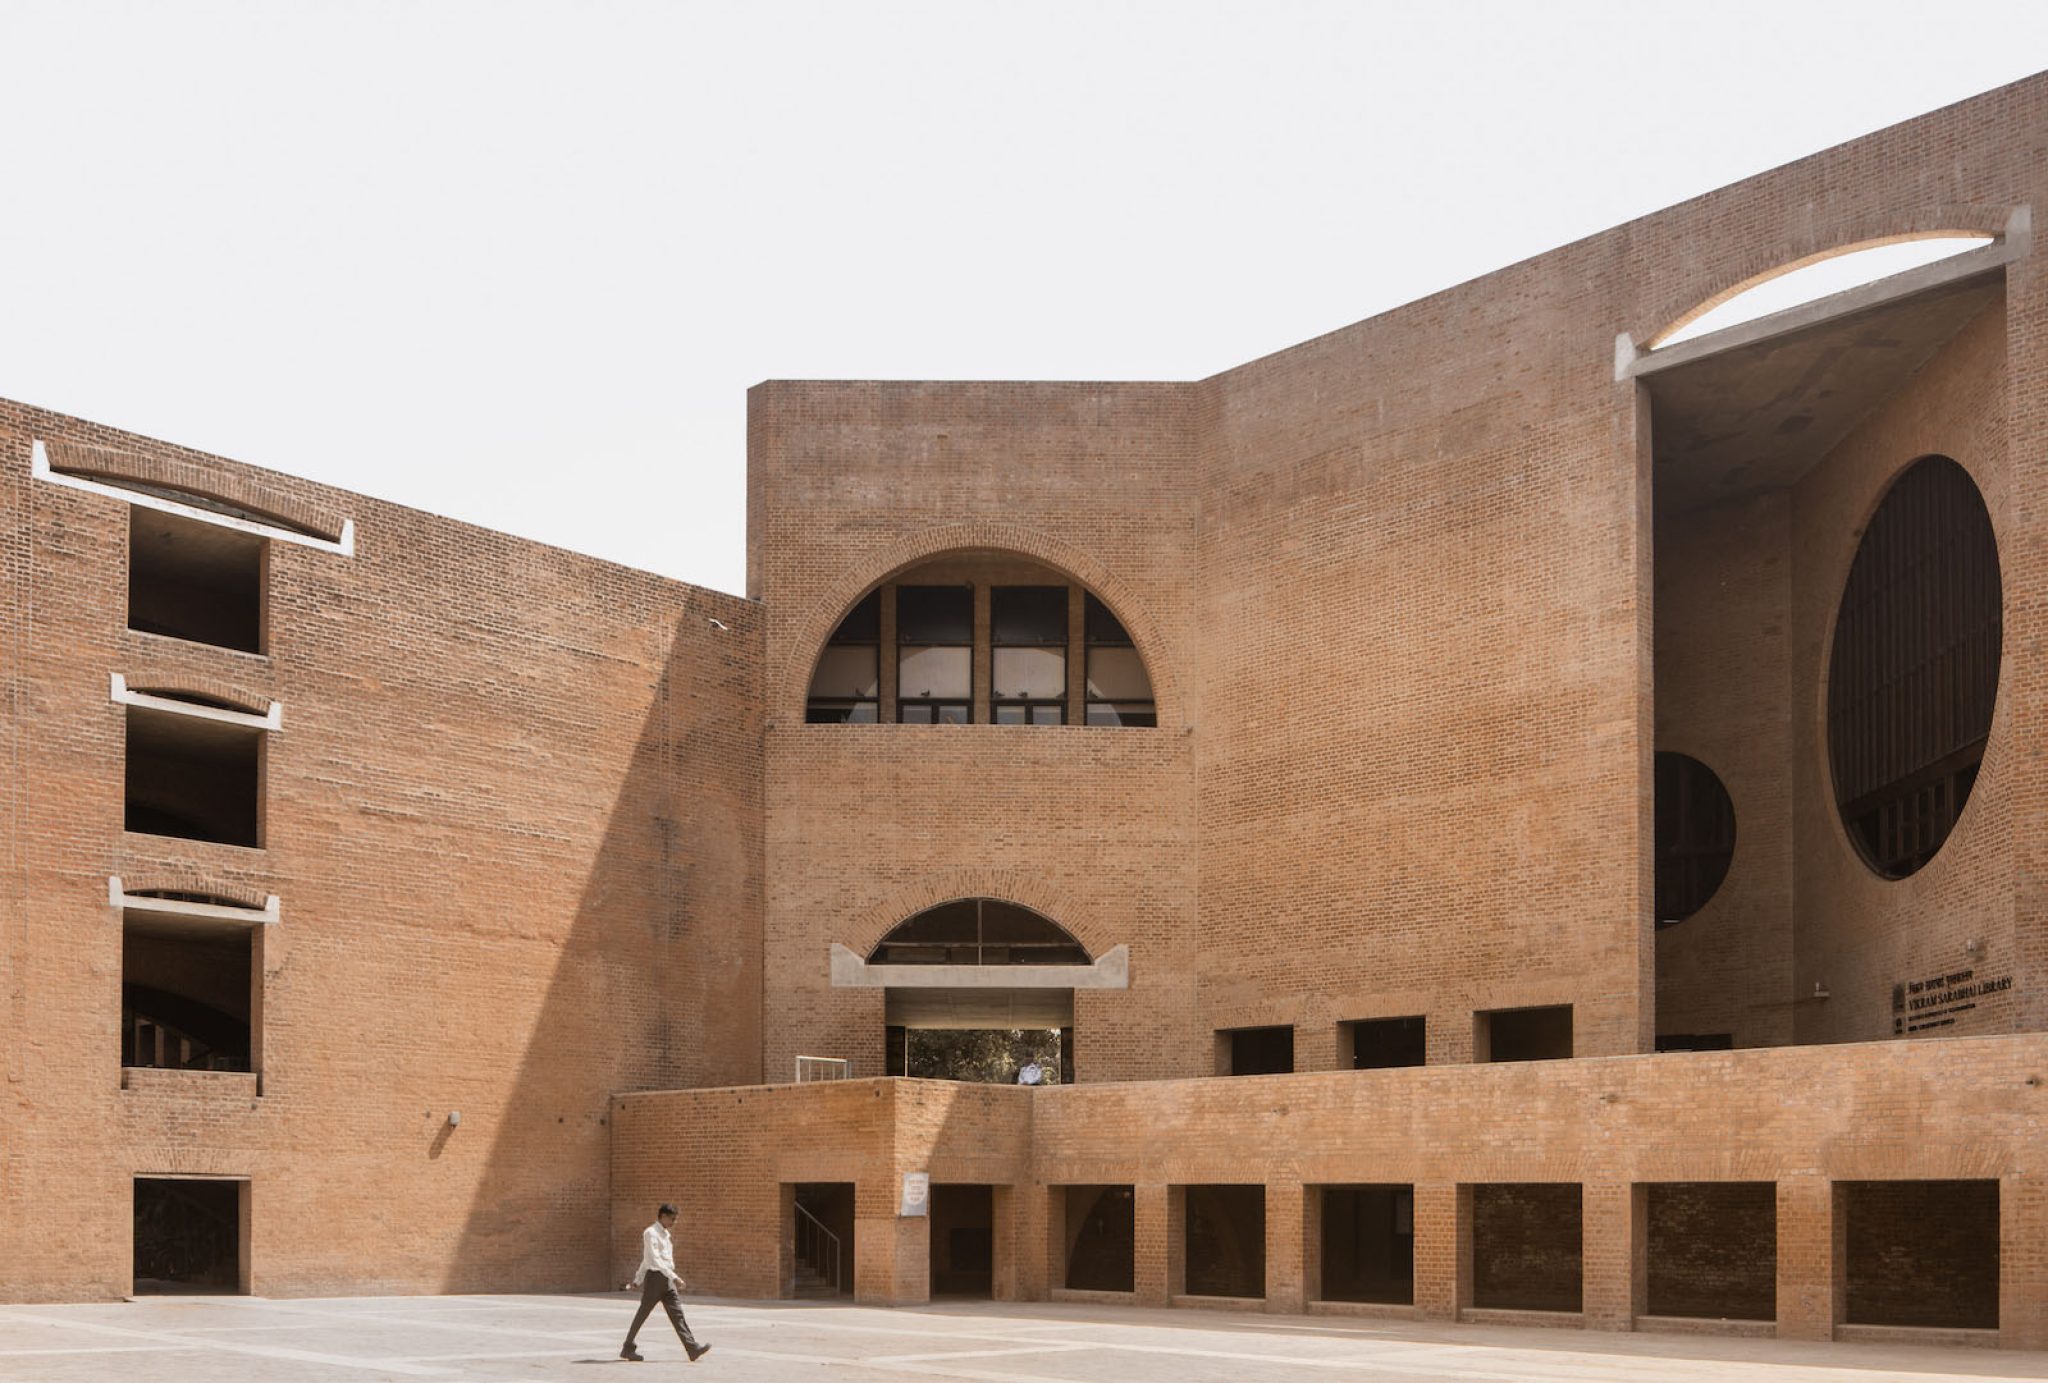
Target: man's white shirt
657,1254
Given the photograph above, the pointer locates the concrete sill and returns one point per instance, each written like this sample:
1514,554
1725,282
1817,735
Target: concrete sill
1708,1325
1370,1310
1917,1335
1501,1315
1078,1295
1195,1303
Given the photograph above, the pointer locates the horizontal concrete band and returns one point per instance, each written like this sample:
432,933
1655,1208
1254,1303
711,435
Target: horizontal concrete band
1110,970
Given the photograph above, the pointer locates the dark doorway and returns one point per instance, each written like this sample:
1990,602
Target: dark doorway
1713,1249
824,1238
189,1236
1226,1241
1368,1246
1523,1034
1256,1051
1378,1043
963,1241
1921,1253
1101,1239
1527,1240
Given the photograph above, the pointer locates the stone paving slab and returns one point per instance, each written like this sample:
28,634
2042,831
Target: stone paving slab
558,1339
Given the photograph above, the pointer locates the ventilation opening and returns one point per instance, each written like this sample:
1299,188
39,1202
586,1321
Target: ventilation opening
1712,1248
193,778
1377,1043
193,580
822,1252
1523,1034
1101,1238
189,997
1254,1051
1368,1243
1921,1253
990,1056
1225,1241
191,1236
963,1241
1839,272
1527,1246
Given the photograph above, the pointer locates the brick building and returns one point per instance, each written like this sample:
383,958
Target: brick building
1492,813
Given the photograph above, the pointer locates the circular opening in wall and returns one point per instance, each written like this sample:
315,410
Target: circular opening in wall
1914,670
1695,836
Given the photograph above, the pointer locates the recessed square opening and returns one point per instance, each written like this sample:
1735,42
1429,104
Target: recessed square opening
1375,1044
1225,1241
822,1247
1527,1246
191,1236
1921,1253
189,994
194,778
1100,1246
1368,1244
1255,1051
1712,1249
193,580
1522,1034
963,1237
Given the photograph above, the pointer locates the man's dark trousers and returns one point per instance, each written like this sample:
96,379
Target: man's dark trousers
655,1288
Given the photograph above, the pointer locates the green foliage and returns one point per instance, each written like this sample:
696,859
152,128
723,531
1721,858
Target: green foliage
991,1055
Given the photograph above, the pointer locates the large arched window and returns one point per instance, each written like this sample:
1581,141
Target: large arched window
1914,671
981,639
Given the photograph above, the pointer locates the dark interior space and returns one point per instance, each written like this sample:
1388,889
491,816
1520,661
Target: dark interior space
1921,1253
1379,1043
193,778
1101,1239
1523,1034
1695,1041
188,1235
193,580
1713,1249
963,1253
1527,1240
1226,1241
824,1238
186,995
1695,827
1258,1051
1368,1244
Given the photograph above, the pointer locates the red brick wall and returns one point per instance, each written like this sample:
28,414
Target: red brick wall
512,817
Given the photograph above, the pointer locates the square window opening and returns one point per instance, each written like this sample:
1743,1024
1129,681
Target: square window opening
190,994
196,581
1522,1034
1374,1044
193,778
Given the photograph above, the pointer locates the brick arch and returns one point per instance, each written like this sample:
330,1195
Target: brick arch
237,894
1028,888
185,684
827,610
1692,294
219,482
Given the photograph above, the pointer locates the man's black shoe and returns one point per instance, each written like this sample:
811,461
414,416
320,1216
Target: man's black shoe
699,1352
631,1353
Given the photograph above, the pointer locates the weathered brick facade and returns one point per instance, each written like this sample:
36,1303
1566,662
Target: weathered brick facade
556,847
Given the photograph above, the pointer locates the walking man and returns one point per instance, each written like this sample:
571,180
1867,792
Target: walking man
657,1281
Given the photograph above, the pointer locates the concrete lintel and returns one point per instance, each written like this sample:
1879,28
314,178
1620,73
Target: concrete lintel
40,469
119,897
272,719
1111,970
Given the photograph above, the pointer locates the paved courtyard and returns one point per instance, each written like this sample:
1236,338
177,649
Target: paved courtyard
524,1339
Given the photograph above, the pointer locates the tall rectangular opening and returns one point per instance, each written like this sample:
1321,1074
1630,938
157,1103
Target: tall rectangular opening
1712,1249
1522,1034
191,1235
1224,1249
191,997
193,778
1527,1246
1920,1253
963,1241
822,1253
1368,1244
197,581
1100,1244
1376,1044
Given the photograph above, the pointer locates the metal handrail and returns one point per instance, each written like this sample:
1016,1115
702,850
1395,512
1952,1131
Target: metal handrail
819,1236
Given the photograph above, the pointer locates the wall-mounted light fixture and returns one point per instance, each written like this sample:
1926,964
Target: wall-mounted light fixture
1820,989
454,1117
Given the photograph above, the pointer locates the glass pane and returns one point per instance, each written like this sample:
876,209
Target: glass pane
1029,614
863,623
934,672
953,713
848,672
1048,715
935,614
1122,713
915,712
1116,674
1012,714
840,713
1104,627
1033,674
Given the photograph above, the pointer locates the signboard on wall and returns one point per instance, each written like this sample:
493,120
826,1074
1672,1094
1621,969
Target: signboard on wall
917,1194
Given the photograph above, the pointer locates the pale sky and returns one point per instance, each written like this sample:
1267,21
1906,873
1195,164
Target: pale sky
518,262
